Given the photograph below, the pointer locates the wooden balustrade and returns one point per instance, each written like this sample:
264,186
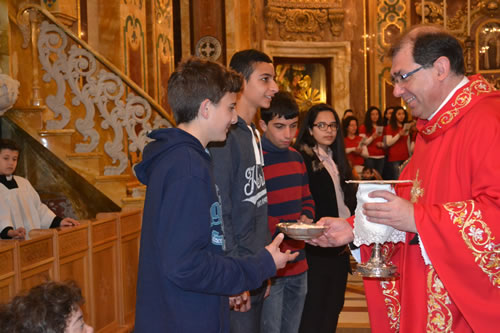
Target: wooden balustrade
101,255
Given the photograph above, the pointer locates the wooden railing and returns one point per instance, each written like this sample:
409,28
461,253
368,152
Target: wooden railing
101,255
106,110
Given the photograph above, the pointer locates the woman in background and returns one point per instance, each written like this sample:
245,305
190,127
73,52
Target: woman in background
322,146
387,115
397,141
372,132
355,149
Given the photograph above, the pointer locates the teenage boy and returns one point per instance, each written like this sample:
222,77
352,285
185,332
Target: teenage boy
20,206
184,279
289,199
238,172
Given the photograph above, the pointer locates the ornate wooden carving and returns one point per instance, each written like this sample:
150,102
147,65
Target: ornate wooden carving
305,19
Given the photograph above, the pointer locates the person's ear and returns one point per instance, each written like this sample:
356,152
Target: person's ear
204,109
263,125
442,66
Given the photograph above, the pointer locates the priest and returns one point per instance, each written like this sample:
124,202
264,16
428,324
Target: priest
449,265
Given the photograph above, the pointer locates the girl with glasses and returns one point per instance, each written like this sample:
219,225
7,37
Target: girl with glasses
321,143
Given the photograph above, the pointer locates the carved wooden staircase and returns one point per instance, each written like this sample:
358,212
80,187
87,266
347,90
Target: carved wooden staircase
87,112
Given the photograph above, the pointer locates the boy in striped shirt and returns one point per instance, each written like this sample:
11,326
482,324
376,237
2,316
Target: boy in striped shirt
289,199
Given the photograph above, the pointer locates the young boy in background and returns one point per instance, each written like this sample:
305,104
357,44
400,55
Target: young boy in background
289,199
21,209
238,172
184,279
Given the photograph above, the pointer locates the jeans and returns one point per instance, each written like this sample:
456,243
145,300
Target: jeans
375,163
283,308
394,166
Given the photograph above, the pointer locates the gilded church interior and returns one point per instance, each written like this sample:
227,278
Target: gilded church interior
92,82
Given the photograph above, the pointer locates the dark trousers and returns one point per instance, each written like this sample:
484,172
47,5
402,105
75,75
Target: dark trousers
249,322
375,163
326,285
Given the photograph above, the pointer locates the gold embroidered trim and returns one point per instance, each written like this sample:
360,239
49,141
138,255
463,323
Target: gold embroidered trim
477,88
392,303
478,237
390,291
439,317
416,190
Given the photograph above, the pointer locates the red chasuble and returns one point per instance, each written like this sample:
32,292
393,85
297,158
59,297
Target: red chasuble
456,173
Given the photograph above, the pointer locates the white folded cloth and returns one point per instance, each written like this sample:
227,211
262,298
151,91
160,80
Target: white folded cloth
366,232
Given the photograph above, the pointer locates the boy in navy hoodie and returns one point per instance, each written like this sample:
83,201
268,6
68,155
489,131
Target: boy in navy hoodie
184,278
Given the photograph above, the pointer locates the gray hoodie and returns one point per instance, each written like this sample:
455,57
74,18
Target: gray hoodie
238,173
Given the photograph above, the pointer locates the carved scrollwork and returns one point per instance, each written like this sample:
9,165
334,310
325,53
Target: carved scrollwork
100,91
52,41
304,20
336,18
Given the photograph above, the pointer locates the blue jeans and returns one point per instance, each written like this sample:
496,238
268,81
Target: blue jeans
249,322
375,163
283,308
395,169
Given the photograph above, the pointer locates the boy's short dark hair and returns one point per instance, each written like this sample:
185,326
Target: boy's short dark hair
243,61
9,144
196,80
283,104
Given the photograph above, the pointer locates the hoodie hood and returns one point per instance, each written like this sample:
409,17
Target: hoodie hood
165,141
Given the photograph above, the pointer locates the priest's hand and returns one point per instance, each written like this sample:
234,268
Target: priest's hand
339,233
280,258
396,212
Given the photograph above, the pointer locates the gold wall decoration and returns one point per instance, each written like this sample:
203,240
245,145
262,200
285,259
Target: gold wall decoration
487,50
433,12
163,11
304,19
490,7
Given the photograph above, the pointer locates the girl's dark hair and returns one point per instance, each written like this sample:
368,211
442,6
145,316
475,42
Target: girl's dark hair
393,121
44,308
369,125
337,147
346,123
385,120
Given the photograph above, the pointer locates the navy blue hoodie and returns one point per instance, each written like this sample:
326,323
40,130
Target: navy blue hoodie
184,279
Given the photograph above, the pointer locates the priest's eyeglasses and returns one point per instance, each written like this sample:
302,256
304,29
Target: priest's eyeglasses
401,78
324,126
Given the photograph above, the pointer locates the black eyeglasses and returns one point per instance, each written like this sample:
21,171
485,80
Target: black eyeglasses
324,126
401,78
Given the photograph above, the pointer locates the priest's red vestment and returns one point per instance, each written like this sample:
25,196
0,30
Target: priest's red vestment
456,173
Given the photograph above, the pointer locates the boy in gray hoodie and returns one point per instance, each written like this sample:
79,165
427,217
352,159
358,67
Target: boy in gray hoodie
238,172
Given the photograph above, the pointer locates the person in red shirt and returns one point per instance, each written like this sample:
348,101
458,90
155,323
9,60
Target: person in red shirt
396,138
372,132
387,115
354,147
